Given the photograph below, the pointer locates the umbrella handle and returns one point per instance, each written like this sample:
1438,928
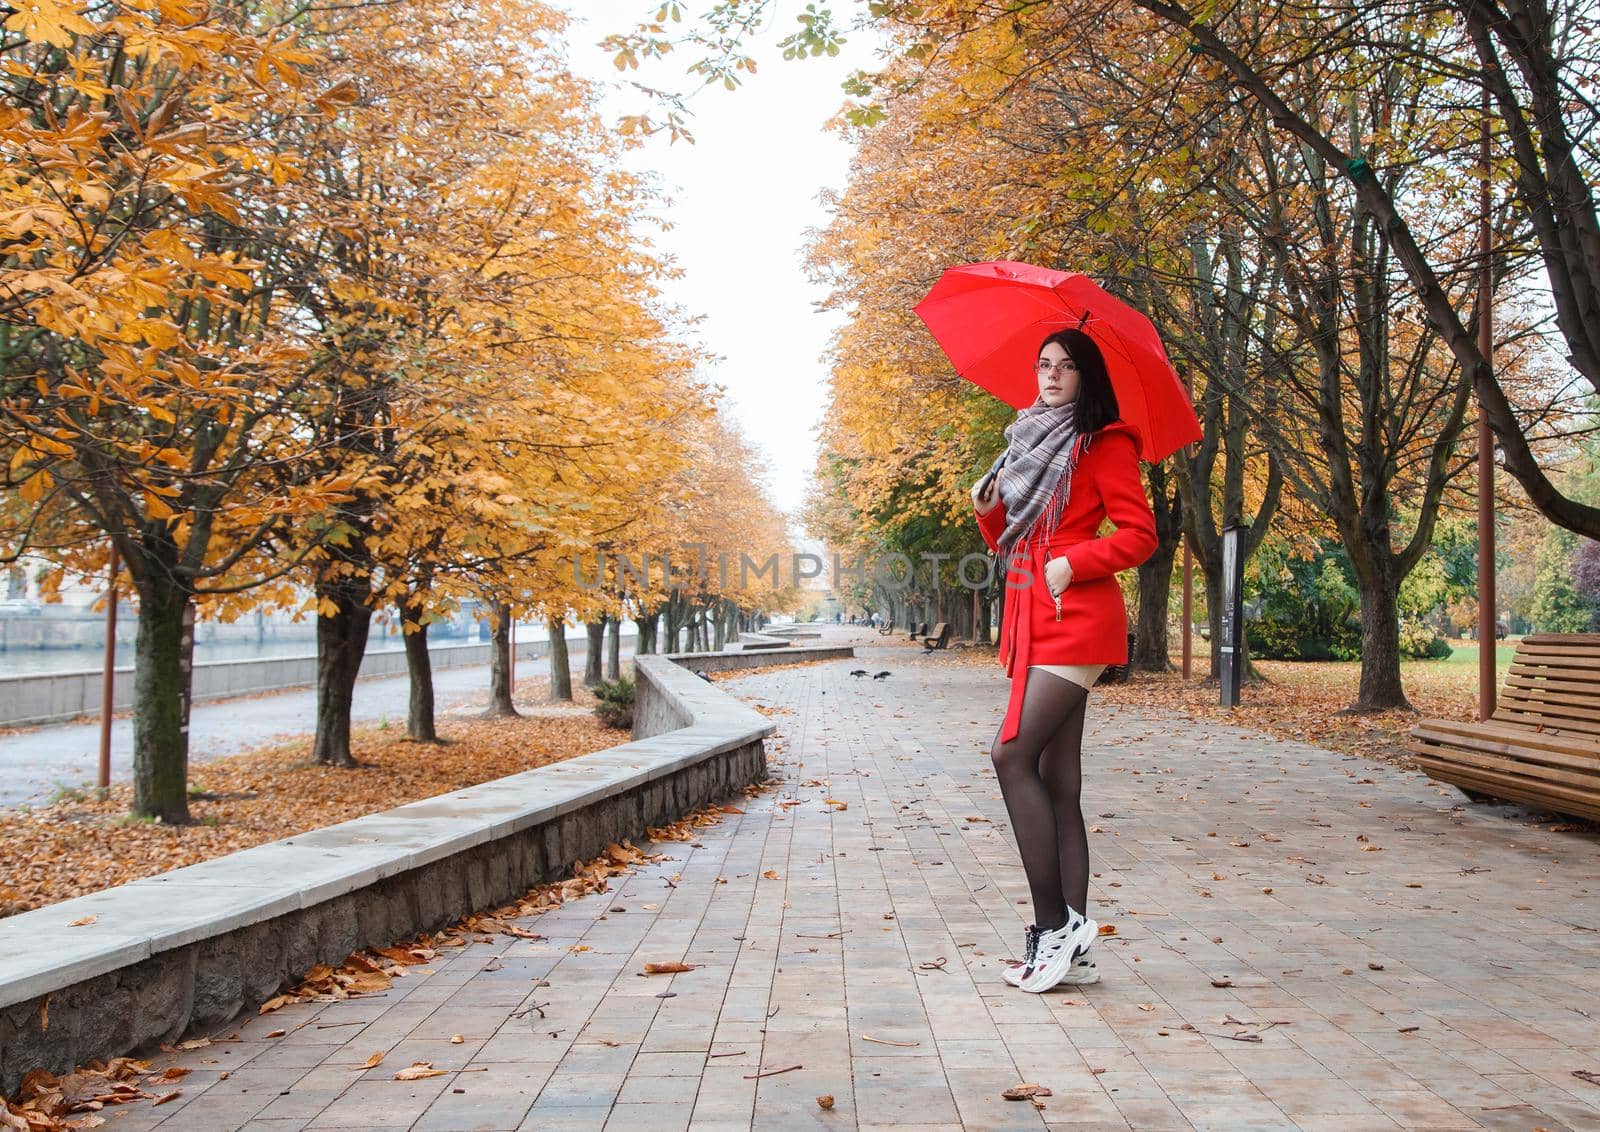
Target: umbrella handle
994,470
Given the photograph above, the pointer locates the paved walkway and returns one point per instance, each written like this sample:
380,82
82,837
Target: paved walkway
36,762
1404,962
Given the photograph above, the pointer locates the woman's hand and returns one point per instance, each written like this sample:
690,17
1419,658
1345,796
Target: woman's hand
1058,575
987,500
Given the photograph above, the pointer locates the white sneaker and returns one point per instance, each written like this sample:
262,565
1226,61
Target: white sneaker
1084,970
1014,975
1057,949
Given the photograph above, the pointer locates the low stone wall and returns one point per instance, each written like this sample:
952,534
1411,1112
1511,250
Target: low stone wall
727,661
194,947
762,641
54,697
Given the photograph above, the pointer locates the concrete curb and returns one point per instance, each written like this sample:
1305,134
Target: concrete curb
196,946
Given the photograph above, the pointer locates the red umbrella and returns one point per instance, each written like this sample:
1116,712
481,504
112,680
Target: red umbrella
990,318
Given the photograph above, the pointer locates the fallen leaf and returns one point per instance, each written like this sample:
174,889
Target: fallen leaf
825,1101
44,1014
373,1061
82,921
1027,1092
668,968
194,1043
277,1033
165,1097
457,1039
771,874
417,1070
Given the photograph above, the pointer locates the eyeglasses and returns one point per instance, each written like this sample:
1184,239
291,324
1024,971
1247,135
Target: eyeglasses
1063,367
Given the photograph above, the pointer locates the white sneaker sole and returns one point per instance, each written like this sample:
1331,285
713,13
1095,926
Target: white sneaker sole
1054,971
1082,974
1083,971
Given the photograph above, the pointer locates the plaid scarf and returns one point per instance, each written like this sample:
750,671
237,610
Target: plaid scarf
1036,477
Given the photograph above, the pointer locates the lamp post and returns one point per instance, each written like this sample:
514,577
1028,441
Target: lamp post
108,679
1232,620
1487,621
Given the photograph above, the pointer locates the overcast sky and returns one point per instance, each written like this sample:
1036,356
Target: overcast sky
743,196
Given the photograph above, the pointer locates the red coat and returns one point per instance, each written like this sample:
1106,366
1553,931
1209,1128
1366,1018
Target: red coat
1094,623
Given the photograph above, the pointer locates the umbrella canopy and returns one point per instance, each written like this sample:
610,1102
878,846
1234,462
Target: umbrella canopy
990,318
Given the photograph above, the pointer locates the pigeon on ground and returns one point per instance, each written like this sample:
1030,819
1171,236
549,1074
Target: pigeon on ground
880,675
704,677
858,672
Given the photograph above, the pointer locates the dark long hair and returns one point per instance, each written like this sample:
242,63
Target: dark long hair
1097,401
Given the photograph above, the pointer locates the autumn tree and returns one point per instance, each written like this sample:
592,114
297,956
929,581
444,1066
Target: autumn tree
152,391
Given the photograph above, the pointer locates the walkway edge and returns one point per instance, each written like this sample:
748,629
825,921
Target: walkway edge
150,960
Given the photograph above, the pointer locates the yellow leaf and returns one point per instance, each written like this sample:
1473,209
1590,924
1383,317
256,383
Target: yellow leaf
34,487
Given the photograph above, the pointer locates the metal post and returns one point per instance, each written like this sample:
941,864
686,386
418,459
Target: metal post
1487,619
1188,610
108,679
186,667
1188,571
511,662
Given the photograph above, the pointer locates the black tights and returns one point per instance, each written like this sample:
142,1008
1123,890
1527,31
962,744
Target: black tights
1040,772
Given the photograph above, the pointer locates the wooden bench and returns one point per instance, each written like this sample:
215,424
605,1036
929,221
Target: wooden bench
1542,745
938,638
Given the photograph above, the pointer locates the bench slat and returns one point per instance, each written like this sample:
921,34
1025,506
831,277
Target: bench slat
1554,767
1545,684
1511,768
1505,785
1540,747
1581,673
1535,716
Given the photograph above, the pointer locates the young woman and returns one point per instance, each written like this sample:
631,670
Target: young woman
1070,463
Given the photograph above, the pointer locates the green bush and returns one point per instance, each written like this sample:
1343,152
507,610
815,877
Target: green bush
1421,641
1308,608
615,708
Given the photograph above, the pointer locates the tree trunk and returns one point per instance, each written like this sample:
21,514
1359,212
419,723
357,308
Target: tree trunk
341,643
419,665
674,622
597,644
1380,645
614,649
500,704
560,662
160,741
648,621
1151,647
1150,644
